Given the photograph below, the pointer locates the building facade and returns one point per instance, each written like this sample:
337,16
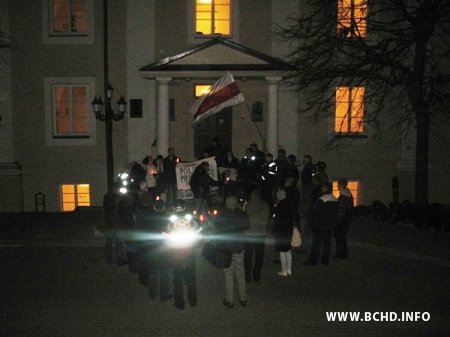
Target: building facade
159,53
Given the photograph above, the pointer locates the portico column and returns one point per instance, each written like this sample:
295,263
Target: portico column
162,119
272,115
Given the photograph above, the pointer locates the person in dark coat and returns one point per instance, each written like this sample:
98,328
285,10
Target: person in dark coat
230,166
283,225
247,174
259,157
344,216
216,150
282,165
200,185
324,218
231,228
268,180
292,170
170,164
158,264
183,261
307,171
258,215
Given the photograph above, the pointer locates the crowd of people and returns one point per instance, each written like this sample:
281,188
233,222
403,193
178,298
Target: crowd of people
259,197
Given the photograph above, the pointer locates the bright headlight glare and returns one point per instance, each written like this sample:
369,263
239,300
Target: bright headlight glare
123,190
182,238
188,217
124,176
173,218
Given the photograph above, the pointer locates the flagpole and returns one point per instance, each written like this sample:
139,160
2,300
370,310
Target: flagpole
257,128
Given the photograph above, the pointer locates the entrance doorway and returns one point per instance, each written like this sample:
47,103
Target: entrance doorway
217,125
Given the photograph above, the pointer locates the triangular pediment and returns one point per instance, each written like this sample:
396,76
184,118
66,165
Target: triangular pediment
216,55
219,54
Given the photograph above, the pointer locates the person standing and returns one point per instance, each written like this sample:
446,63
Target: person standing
258,215
292,169
282,165
160,176
268,180
151,173
324,218
259,157
307,171
216,150
247,174
232,225
306,190
283,225
182,259
200,185
229,167
344,216
158,266
170,164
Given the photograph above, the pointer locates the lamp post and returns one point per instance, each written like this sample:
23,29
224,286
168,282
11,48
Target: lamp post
108,117
97,104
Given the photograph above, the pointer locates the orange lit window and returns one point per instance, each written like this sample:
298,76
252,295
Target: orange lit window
353,186
349,114
69,16
74,195
212,17
352,18
202,89
70,110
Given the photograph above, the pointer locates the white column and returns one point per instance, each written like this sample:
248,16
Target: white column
272,115
162,127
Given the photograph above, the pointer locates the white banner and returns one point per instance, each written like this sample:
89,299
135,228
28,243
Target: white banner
184,172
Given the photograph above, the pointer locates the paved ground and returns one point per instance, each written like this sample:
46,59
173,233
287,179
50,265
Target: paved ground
54,283
70,291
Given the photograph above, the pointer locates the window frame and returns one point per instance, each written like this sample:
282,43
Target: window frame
349,115
234,23
75,194
56,134
52,137
353,30
212,20
50,37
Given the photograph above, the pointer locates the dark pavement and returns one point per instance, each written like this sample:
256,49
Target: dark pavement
64,288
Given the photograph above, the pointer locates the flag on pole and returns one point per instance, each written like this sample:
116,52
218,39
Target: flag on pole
223,93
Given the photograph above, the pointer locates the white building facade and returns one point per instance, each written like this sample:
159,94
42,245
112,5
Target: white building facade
159,52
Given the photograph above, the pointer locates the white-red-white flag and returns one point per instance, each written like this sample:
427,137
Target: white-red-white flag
224,93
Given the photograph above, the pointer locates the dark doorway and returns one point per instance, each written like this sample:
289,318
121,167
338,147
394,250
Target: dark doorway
217,125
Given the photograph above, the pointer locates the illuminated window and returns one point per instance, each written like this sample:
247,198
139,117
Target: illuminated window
353,186
69,17
212,17
73,196
70,110
202,89
349,114
69,119
352,18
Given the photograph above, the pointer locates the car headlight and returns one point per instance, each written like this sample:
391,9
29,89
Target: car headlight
181,238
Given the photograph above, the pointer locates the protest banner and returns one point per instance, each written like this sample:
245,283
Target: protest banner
184,172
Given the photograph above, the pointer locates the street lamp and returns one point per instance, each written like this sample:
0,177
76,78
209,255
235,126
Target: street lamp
108,117
97,105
